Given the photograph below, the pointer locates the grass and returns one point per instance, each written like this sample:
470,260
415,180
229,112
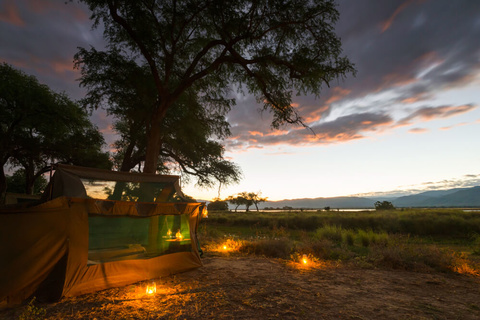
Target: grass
442,240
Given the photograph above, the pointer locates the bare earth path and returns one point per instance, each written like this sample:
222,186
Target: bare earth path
259,288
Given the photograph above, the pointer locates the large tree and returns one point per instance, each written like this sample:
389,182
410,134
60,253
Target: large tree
124,90
273,49
39,126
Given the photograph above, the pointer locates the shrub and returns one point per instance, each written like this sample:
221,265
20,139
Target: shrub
31,311
349,238
280,248
330,232
384,205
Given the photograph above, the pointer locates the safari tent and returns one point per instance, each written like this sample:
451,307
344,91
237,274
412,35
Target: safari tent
96,229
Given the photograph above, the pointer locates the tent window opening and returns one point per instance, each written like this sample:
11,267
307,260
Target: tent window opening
116,238
128,191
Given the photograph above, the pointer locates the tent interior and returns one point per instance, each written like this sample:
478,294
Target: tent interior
96,229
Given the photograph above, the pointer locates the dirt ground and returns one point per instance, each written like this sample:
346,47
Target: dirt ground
259,288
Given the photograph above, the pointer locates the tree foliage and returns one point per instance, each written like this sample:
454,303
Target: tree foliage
189,132
246,199
256,198
217,205
39,126
272,49
384,205
16,183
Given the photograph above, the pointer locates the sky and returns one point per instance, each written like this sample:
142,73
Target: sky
409,121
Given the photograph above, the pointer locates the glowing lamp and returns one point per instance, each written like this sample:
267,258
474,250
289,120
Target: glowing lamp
169,233
304,259
151,288
179,236
205,213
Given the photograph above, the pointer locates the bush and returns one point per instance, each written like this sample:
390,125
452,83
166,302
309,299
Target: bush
280,248
384,205
31,311
330,232
218,206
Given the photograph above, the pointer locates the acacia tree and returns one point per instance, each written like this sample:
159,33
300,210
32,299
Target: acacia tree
242,199
39,126
272,49
256,198
123,89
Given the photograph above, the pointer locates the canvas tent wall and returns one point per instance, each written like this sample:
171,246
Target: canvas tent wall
70,245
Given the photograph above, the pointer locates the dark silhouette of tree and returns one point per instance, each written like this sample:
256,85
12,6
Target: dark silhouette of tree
39,126
384,205
16,183
217,205
186,140
256,198
271,49
246,199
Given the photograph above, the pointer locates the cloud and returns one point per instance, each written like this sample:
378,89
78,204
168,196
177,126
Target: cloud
342,129
418,130
430,113
405,53
453,126
9,14
45,45
422,37
386,25
467,181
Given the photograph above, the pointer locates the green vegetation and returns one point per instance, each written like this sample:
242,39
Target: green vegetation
39,126
384,205
31,311
217,205
419,240
246,199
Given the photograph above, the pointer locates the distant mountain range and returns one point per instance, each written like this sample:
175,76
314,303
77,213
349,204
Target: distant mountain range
460,197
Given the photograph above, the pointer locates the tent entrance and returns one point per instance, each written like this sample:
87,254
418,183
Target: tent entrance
116,238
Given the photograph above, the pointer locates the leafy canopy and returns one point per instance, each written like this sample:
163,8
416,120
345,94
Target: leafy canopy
39,126
272,49
186,143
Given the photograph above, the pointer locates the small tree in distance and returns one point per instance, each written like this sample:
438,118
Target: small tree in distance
217,204
256,198
246,199
384,205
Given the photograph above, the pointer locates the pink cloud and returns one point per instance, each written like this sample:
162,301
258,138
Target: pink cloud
430,113
337,94
42,7
453,126
418,130
9,14
343,129
316,114
255,133
387,23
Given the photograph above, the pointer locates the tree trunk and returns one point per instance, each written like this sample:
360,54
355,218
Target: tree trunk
29,177
154,144
125,167
3,184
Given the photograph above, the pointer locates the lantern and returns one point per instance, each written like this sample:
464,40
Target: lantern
178,235
151,288
304,259
204,212
169,233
